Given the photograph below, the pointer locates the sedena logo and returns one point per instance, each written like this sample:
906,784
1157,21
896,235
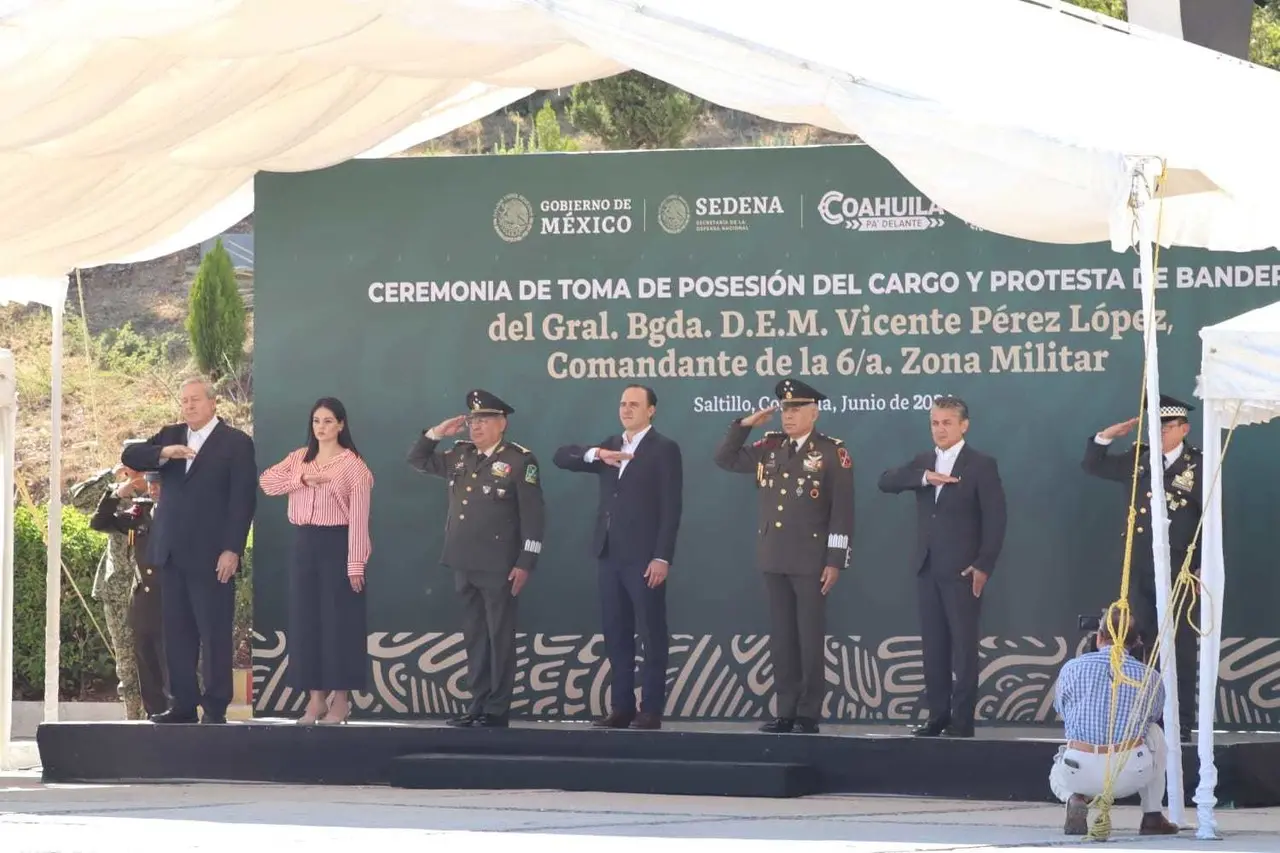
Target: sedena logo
880,213
674,214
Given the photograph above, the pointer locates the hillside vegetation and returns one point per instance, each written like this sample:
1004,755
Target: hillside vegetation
126,347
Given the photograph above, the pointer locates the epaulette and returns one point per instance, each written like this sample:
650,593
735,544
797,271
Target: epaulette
464,442
831,438
526,451
777,433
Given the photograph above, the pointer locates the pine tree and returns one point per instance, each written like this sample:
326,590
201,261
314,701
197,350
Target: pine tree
632,110
215,315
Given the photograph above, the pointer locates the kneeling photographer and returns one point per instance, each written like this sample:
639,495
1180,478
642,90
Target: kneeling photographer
1133,746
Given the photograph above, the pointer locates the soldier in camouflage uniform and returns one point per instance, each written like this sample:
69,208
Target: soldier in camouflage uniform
133,522
114,579
492,540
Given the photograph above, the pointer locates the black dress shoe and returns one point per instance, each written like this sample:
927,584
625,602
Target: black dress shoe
645,720
933,728
489,721
957,731
1184,734
214,717
805,726
615,720
174,715
779,726
461,721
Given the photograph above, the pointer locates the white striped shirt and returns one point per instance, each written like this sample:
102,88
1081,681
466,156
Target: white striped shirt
344,500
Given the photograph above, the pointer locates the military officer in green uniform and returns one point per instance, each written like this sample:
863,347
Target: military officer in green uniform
804,537
1182,484
492,540
114,578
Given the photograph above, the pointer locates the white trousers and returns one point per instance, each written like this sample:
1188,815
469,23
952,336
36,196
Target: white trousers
1137,771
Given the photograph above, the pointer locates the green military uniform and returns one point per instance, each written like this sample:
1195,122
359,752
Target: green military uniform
113,586
145,622
495,524
1183,489
805,524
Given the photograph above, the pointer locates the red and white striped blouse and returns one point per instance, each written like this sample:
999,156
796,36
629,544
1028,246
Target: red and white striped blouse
344,500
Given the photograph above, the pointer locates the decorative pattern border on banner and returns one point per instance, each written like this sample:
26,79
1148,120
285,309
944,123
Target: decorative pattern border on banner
730,678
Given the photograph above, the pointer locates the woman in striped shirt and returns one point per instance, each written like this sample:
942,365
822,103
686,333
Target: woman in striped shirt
329,488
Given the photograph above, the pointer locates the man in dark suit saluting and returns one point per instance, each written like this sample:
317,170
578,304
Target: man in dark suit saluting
960,518
641,493
209,478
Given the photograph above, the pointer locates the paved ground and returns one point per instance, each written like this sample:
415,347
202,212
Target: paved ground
35,818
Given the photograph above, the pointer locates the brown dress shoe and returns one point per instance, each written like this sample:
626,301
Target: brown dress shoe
1155,823
615,720
1077,816
646,720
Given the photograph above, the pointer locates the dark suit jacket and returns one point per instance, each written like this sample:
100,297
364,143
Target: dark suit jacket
208,509
965,527
1183,488
638,515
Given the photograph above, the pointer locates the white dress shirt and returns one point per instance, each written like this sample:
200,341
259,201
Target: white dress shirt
629,446
1168,457
943,462
197,438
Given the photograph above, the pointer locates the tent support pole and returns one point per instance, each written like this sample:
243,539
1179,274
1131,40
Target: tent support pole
8,435
53,569
1212,574
1145,174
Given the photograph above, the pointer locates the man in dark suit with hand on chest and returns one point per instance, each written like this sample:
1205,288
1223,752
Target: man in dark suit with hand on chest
960,526
641,492
209,479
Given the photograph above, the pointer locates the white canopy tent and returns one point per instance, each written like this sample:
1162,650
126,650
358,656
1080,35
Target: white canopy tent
1240,385
133,128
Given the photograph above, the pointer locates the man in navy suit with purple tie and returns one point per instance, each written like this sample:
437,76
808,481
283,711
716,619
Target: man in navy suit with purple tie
640,473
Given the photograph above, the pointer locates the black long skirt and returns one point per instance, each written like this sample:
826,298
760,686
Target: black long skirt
327,635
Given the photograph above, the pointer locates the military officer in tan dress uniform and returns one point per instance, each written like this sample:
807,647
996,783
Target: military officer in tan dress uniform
492,540
804,538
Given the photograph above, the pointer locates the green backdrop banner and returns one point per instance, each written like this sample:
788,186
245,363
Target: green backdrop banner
553,280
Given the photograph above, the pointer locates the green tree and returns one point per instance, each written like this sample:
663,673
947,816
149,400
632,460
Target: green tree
1264,38
544,137
215,315
1114,8
633,110
1264,35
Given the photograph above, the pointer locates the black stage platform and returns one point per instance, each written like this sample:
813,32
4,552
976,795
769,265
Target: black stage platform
684,758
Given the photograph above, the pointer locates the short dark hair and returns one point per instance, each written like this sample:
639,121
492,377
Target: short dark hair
959,406
651,396
1117,623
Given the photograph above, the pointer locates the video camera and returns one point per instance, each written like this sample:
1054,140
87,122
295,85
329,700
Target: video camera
1090,625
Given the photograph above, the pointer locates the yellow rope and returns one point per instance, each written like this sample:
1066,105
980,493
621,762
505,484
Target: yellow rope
1185,589
1118,633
